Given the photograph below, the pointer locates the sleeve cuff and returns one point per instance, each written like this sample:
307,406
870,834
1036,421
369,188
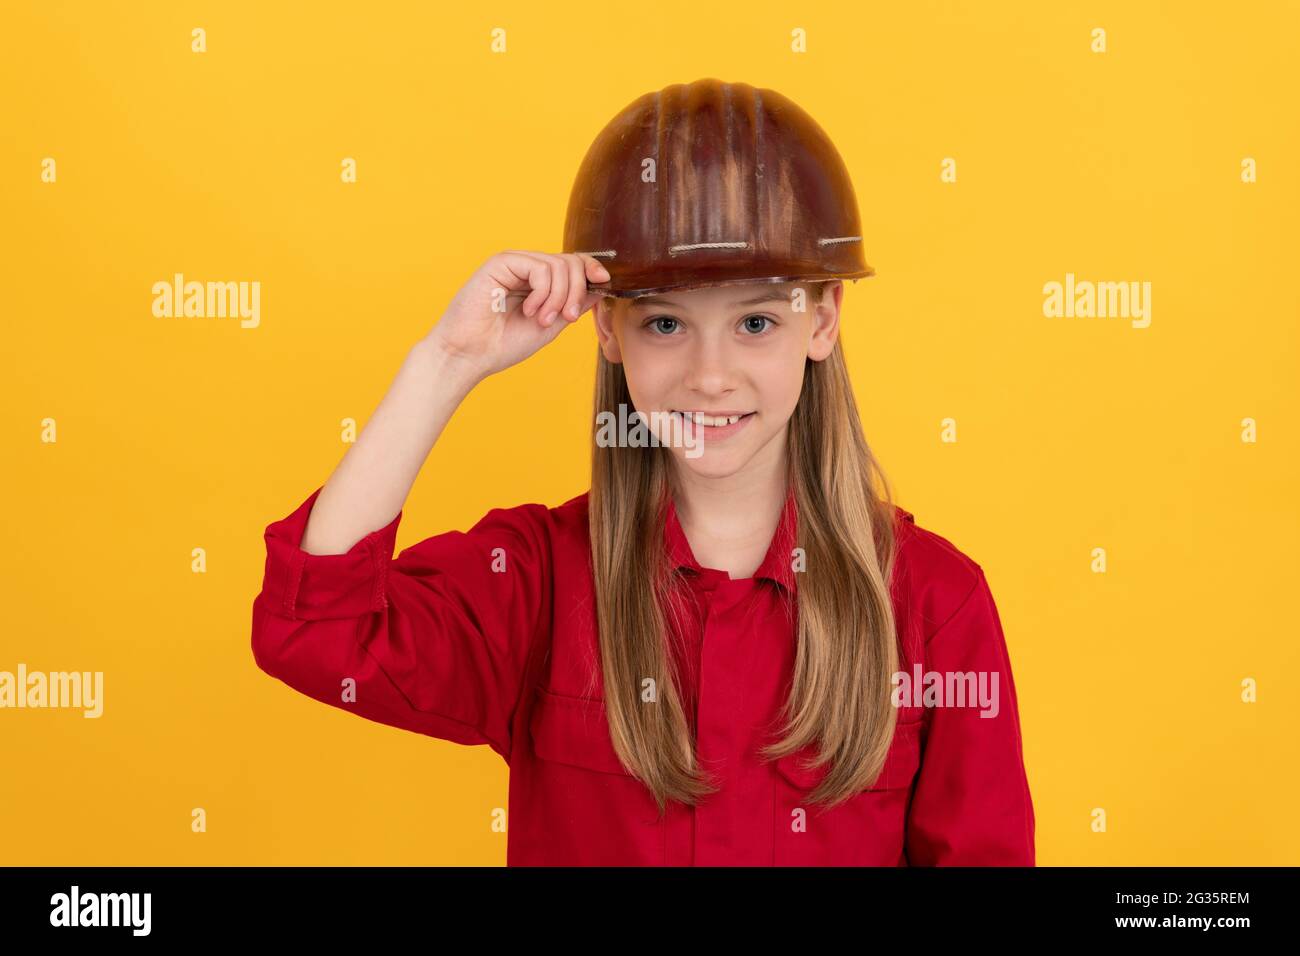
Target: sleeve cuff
303,587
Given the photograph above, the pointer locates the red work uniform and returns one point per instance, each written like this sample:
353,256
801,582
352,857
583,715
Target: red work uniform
489,637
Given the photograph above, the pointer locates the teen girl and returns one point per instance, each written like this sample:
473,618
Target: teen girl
745,656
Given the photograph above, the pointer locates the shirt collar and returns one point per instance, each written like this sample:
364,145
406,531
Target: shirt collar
776,563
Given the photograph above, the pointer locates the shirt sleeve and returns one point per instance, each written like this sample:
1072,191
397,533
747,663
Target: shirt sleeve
971,805
434,641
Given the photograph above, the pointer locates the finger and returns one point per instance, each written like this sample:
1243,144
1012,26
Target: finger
595,269
511,269
550,311
539,277
521,273
589,300
577,287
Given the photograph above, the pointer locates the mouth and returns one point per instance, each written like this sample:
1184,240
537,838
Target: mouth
715,425
711,419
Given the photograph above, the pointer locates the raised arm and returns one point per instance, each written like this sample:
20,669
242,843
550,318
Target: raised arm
502,315
435,640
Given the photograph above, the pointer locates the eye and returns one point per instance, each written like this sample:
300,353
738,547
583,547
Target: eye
656,324
750,319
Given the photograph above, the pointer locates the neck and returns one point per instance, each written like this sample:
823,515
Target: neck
738,509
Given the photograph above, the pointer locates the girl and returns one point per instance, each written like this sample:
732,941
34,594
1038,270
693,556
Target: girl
734,649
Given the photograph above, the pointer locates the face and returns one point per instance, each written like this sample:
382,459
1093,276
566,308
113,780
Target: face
728,351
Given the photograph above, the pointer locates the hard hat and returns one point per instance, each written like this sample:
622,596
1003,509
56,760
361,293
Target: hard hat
713,183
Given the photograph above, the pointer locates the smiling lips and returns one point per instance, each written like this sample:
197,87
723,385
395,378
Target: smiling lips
712,420
713,426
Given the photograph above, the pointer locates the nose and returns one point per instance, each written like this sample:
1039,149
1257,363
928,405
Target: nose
710,367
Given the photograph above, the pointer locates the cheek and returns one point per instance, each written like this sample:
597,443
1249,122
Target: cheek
780,379
648,375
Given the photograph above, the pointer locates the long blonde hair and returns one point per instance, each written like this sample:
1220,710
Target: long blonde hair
847,646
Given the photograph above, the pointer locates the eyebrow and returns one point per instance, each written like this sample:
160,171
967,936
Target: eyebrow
761,298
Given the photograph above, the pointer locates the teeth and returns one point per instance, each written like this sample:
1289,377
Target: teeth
711,420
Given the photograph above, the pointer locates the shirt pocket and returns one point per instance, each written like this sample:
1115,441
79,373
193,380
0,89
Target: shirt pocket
574,731
591,810
868,829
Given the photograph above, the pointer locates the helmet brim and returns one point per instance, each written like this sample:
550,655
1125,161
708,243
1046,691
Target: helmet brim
634,286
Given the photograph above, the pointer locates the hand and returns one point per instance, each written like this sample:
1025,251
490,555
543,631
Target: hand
514,304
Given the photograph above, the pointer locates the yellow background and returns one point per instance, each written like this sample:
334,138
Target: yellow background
1073,433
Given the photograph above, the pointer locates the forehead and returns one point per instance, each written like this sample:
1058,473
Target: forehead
731,296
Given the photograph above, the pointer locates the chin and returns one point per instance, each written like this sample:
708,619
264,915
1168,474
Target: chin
712,464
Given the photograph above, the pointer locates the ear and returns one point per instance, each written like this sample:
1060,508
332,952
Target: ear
826,321
603,314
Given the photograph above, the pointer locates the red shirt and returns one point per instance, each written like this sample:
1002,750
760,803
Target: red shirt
447,640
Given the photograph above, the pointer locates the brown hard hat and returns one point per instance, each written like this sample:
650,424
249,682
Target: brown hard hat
713,183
